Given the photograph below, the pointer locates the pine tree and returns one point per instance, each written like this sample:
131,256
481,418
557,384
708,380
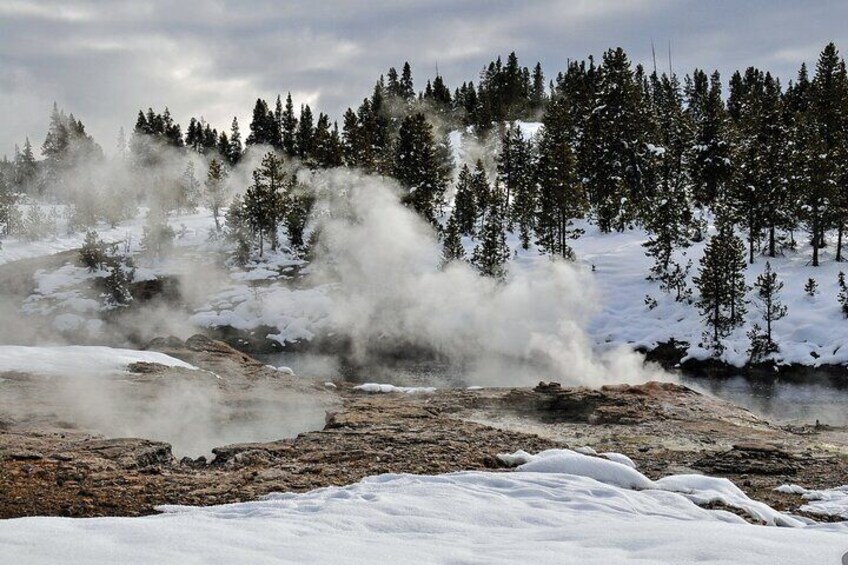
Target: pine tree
418,168
613,138
117,284
825,133
188,190
465,203
298,208
811,287
721,282
406,88
305,133
759,192
353,140
525,192
234,154
93,254
666,214
667,226
277,142
237,230
35,224
710,163
56,143
222,146
194,135
289,128
561,197
492,253
452,249
216,178
537,92
263,126
842,296
26,168
327,151
768,289
483,193
157,236
9,213
265,201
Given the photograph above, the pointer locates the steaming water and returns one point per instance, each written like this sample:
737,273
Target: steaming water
778,402
189,411
781,402
494,371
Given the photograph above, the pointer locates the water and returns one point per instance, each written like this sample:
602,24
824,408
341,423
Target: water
493,371
778,401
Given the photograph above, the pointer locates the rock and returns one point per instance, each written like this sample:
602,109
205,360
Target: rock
131,453
25,456
146,367
170,342
750,459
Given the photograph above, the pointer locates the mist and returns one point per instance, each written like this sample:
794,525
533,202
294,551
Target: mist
389,289
194,411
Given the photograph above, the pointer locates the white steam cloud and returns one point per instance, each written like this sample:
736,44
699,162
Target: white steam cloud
390,290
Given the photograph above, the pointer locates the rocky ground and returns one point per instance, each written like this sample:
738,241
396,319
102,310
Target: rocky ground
51,466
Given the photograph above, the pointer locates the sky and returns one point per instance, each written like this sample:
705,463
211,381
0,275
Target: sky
103,60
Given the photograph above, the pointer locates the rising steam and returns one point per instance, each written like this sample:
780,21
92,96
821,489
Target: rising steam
389,288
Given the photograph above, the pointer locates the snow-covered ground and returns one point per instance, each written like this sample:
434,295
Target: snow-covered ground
814,331
192,231
71,360
575,509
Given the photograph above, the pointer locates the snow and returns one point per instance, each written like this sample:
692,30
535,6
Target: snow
471,517
529,130
700,489
618,458
387,388
72,360
813,333
192,230
829,502
703,490
573,463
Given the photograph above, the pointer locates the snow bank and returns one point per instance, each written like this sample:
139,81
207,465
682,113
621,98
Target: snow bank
74,360
473,517
699,489
573,463
830,502
704,490
386,388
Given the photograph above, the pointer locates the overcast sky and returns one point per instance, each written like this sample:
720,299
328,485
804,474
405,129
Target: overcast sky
103,60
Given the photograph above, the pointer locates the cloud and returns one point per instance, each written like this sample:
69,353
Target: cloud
105,60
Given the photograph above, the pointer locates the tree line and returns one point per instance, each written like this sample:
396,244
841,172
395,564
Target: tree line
618,145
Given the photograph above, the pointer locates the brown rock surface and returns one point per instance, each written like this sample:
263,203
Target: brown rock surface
53,467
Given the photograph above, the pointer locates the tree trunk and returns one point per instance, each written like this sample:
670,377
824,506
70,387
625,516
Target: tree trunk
839,244
815,246
772,249
751,247
716,315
